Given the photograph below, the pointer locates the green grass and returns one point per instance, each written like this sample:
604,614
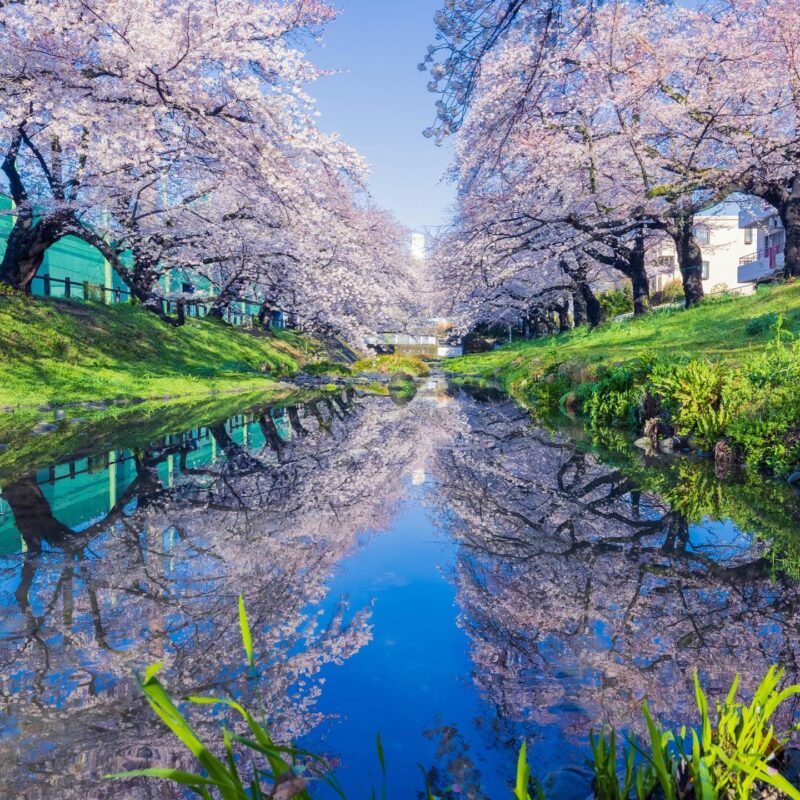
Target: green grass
724,374
717,330
327,368
409,365
58,352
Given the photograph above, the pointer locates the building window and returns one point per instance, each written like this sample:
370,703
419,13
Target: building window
188,288
702,234
706,270
748,236
666,262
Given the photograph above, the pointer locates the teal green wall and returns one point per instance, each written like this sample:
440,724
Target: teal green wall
74,259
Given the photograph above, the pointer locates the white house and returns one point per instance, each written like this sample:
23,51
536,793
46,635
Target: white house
768,239
723,242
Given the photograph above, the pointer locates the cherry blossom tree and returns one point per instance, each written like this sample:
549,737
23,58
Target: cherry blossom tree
745,91
614,121
182,136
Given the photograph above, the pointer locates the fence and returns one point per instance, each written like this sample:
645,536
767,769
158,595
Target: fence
770,251
80,290
94,292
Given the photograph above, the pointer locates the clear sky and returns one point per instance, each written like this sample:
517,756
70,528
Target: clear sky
380,102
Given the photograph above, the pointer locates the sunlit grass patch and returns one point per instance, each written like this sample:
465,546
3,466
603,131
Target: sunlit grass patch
410,365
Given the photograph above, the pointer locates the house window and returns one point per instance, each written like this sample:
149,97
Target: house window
701,234
748,236
706,270
666,262
188,288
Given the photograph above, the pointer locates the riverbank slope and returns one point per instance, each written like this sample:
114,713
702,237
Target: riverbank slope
724,374
58,352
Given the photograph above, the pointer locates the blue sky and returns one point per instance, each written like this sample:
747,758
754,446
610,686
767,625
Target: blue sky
380,103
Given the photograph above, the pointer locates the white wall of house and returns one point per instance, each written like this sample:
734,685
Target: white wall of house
723,242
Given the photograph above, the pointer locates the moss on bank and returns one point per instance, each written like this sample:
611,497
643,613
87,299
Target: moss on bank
726,371
54,352
409,365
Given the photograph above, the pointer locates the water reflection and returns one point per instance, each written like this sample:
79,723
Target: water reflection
138,556
580,588
583,594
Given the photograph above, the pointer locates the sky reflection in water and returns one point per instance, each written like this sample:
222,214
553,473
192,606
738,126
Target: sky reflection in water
440,572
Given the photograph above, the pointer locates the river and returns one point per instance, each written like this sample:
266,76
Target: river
439,571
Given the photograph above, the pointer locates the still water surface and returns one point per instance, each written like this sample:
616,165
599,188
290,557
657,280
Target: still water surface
441,572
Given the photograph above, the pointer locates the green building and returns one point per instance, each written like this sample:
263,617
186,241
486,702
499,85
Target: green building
74,269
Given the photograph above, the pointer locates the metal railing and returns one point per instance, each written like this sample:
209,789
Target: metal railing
81,290
748,259
770,252
87,291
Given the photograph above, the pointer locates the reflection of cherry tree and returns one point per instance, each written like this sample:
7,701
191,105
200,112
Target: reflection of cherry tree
583,596
157,580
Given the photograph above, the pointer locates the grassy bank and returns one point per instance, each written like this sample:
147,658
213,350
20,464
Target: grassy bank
724,374
54,352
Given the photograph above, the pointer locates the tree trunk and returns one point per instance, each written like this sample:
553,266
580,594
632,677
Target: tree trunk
294,421
564,322
690,261
270,431
27,244
639,279
790,216
580,313
594,311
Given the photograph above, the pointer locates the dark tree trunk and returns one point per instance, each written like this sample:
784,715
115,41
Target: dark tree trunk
564,322
580,312
594,311
639,279
294,420
690,261
790,216
33,516
313,408
264,314
270,431
27,244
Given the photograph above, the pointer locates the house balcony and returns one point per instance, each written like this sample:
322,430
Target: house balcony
763,264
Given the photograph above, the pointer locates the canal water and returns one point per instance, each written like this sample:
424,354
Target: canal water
440,572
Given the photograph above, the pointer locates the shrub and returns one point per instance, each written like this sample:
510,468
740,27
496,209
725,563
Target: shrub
758,325
693,392
327,368
616,301
671,293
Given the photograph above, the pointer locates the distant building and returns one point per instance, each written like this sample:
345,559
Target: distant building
765,232
723,242
418,246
